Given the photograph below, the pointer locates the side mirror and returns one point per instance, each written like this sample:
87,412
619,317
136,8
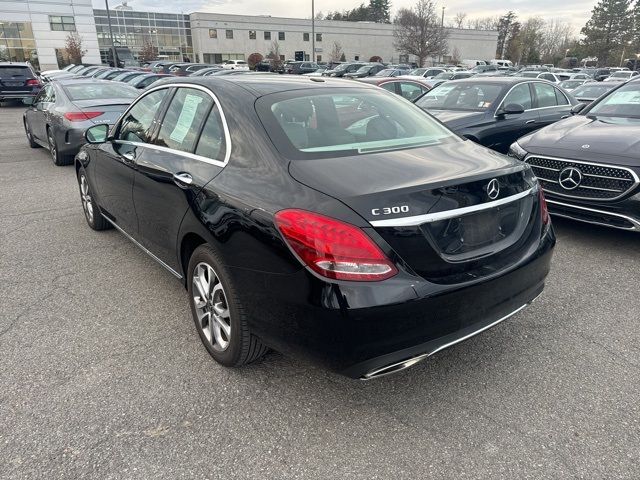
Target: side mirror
511,109
577,108
97,134
28,100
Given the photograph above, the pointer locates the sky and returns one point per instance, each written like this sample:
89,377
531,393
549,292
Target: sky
575,12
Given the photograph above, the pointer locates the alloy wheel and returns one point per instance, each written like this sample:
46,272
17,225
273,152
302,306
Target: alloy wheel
211,306
87,202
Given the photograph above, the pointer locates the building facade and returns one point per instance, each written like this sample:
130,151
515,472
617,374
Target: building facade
168,33
36,30
219,37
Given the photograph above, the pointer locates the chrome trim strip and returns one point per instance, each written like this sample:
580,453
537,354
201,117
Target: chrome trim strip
633,221
217,103
171,270
457,212
566,160
413,360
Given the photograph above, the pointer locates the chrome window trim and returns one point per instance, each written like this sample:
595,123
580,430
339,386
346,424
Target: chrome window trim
193,156
546,82
631,220
566,160
144,249
447,214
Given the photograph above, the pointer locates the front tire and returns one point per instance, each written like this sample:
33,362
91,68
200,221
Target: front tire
218,315
92,214
58,158
27,131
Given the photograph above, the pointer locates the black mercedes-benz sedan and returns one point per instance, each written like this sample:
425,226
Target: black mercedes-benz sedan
496,111
589,164
320,217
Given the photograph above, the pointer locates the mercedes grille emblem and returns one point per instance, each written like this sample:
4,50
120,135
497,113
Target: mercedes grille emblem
570,178
493,189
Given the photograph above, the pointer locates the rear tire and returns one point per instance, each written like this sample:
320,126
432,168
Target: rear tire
218,315
27,131
58,158
92,214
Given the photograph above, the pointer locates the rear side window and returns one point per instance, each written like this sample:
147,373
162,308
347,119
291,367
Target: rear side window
546,95
212,141
15,72
521,95
560,98
137,125
410,91
183,120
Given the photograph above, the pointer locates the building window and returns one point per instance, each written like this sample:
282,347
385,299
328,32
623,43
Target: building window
305,37
213,33
318,37
356,57
267,35
229,34
319,59
252,34
306,57
280,35
62,24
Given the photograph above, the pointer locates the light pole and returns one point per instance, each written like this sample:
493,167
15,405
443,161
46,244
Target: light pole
442,34
313,32
113,45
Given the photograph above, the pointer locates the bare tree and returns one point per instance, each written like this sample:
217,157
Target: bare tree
484,23
556,36
418,32
274,55
73,47
148,52
458,20
336,52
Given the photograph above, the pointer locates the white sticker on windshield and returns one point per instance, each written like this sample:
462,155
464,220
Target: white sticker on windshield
185,120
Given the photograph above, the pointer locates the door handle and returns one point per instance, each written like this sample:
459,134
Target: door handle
529,122
182,179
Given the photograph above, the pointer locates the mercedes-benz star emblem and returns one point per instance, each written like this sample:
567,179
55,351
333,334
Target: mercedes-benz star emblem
493,189
570,178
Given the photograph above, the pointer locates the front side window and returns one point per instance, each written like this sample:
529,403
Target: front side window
346,123
62,23
463,96
137,125
520,95
623,102
546,95
410,91
186,113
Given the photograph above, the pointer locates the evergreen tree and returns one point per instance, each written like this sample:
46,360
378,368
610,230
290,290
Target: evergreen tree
609,27
505,32
380,11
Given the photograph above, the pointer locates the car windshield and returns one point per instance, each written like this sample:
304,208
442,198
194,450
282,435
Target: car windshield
364,69
418,72
530,74
91,91
461,96
385,73
571,83
623,102
621,75
591,90
354,122
445,75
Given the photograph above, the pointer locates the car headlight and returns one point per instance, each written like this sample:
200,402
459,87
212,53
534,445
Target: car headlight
516,151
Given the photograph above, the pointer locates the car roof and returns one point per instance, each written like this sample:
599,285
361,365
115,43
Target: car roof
498,80
15,64
263,84
83,81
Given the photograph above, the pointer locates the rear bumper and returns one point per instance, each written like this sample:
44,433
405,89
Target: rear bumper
17,95
623,215
363,330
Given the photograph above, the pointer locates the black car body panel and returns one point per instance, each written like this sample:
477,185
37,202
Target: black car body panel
490,127
589,165
354,327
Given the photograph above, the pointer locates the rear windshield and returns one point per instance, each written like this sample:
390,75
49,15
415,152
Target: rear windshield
592,90
88,91
346,122
462,96
624,102
13,72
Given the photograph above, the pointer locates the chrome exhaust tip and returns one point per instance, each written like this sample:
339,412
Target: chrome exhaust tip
394,367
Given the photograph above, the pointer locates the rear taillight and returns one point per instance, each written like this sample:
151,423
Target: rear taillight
81,116
332,248
544,210
32,82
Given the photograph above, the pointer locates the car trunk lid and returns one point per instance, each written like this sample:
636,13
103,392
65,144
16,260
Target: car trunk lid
110,109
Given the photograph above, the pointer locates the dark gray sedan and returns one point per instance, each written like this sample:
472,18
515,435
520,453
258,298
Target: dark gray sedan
64,109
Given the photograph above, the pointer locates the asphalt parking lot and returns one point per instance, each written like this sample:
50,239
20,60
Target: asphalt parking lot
102,374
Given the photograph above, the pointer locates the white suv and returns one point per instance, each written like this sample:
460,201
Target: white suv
235,65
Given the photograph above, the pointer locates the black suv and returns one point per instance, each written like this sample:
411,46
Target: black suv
18,81
300,68
319,217
367,70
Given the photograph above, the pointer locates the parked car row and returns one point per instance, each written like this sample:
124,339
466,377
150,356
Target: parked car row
388,225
